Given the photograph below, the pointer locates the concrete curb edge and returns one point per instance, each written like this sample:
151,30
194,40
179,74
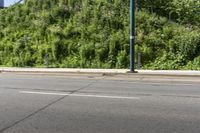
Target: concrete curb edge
102,71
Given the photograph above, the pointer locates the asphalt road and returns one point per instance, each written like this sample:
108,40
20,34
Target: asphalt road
97,104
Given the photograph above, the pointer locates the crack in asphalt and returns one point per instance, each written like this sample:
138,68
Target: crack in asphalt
46,106
30,115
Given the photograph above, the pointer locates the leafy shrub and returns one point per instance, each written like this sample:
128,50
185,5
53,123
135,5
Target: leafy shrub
88,33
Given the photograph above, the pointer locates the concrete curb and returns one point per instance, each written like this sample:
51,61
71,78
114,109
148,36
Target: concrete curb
170,72
64,70
102,71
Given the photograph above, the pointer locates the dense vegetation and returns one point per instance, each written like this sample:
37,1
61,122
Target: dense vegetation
95,33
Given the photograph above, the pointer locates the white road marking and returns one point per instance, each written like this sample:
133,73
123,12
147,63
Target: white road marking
44,93
102,96
78,95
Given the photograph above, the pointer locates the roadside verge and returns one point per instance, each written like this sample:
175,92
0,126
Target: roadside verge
102,71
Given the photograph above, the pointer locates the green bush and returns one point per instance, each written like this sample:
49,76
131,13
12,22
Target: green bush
95,34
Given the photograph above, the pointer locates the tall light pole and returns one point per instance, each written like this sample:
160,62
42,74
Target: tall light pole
1,3
132,35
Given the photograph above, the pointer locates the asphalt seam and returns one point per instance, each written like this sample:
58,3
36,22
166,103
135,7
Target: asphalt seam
32,114
45,107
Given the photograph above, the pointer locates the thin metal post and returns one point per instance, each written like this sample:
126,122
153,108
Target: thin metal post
132,35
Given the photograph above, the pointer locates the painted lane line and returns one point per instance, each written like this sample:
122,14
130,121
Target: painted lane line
44,93
104,96
79,95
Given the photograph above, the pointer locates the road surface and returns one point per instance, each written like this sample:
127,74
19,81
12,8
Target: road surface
34,103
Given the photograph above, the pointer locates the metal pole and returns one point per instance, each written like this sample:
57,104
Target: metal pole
132,35
1,3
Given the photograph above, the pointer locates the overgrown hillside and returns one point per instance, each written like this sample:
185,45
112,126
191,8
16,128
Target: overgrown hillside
95,33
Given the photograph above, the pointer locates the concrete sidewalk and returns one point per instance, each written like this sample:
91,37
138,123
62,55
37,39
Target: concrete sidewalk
102,71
